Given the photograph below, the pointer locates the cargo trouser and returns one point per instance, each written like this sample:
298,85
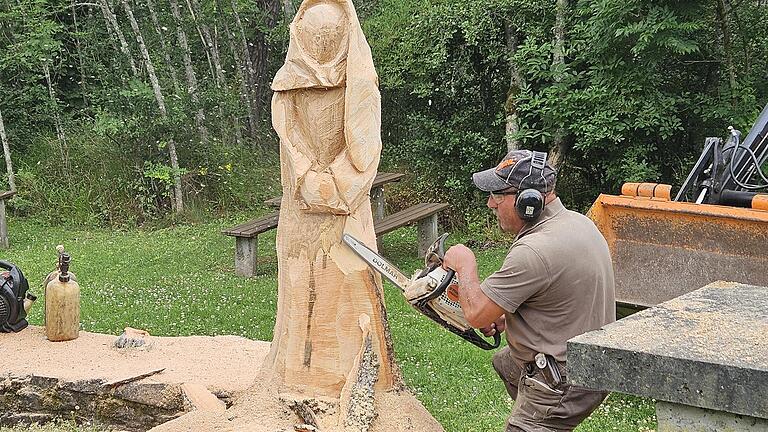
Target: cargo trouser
540,406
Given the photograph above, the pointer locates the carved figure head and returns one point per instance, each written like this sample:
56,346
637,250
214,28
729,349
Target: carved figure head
322,31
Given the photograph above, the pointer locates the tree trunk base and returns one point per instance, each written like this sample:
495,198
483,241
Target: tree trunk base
262,409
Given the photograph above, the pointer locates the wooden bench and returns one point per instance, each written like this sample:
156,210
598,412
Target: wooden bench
426,216
247,242
246,234
377,192
3,224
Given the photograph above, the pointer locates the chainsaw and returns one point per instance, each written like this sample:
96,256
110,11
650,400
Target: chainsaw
433,291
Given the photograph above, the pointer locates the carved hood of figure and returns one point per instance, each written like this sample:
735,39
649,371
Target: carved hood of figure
328,50
322,33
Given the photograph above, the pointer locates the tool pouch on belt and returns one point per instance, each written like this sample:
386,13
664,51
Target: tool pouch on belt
548,368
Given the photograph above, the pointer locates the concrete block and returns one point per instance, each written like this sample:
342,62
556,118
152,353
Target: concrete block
683,418
707,349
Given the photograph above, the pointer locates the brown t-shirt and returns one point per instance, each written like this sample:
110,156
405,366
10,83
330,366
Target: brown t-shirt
556,283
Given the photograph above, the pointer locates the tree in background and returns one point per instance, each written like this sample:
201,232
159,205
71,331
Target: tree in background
615,90
75,81
7,154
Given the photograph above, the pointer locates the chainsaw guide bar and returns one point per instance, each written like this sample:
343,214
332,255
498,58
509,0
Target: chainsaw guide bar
433,292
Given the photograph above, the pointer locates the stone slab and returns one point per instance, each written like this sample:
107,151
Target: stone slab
683,418
707,349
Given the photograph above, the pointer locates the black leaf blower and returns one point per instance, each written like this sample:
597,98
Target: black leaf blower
15,301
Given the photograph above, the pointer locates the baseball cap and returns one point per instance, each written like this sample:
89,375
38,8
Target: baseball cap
514,170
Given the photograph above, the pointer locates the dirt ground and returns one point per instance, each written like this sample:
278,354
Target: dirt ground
228,365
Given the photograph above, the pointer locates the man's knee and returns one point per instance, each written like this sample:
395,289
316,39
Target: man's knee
503,363
508,371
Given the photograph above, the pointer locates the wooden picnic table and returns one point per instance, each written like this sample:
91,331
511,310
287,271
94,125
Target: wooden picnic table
377,194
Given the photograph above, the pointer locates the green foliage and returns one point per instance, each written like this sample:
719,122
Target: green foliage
112,165
31,40
642,85
106,185
443,86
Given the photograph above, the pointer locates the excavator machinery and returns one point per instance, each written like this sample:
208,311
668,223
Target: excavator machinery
715,227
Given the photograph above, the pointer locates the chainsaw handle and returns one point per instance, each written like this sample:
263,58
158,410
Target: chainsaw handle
470,335
482,343
16,276
444,284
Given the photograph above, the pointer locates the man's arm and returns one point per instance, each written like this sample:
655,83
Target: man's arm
479,310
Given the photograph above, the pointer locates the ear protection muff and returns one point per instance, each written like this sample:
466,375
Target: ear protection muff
530,202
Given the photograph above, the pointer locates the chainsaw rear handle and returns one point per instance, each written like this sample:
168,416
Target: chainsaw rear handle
20,284
469,335
473,337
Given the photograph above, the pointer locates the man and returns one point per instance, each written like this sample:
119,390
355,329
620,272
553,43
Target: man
556,282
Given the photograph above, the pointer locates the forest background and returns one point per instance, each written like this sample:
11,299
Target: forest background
127,112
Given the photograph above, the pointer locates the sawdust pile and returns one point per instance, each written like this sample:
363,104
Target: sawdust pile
260,409
227,366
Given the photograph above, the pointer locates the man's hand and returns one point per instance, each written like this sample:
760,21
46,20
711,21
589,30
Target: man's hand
497,326
460,258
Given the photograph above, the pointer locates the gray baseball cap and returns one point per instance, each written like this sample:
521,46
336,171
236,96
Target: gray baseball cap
515,171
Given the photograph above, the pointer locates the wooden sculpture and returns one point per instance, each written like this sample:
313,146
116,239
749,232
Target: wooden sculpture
331,333
330,367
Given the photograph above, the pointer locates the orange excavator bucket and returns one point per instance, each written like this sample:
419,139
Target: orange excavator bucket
662,249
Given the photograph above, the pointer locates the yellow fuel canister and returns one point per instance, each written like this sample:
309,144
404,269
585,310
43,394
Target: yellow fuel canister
62,305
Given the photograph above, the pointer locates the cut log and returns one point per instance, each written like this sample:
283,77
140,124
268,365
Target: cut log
201,399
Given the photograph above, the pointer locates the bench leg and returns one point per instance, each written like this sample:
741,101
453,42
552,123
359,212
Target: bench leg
246,252
427,233
377,208
3,227
377,203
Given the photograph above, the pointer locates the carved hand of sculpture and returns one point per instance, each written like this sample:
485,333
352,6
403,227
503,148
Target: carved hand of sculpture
318,194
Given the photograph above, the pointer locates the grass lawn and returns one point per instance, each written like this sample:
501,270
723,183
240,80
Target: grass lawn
180,281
